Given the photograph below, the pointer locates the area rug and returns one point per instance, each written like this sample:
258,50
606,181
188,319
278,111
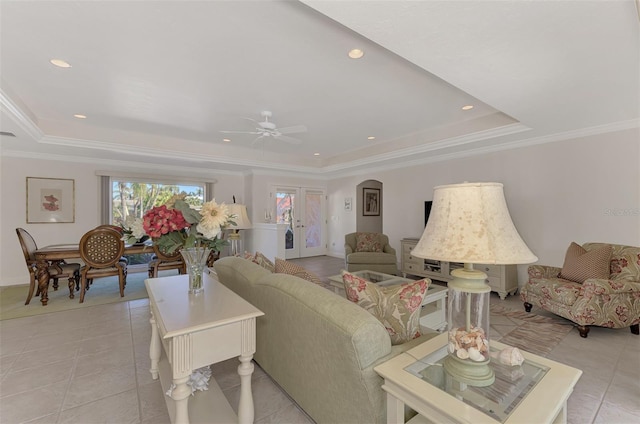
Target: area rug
103,290
534,333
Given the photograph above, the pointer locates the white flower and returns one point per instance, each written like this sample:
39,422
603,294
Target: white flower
214,217
137,230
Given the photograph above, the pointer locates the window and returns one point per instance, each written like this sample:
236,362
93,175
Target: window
133,198
127,197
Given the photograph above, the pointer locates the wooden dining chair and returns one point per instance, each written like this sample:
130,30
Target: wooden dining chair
101,250
162,261
57,269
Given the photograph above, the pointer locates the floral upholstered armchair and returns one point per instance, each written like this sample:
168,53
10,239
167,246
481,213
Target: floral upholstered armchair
612,301
369,251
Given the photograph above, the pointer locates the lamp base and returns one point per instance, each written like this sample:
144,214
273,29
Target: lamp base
234,243
476,374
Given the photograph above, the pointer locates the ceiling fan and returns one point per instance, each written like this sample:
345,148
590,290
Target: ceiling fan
266,128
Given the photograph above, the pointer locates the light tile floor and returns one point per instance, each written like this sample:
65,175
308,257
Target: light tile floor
92,366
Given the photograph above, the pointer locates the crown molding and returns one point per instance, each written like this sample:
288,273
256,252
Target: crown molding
515,144
19,117
123,166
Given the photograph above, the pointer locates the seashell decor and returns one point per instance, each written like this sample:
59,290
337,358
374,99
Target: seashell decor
472,344
509,356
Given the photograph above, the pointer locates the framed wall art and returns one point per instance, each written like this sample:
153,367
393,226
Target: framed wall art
371,201
50,200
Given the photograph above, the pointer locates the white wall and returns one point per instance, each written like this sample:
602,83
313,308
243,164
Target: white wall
585,189
581,190
13,173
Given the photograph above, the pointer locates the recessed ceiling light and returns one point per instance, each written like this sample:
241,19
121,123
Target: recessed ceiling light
60,63
316,154
467,107
80,116
356,53
371,137
226,139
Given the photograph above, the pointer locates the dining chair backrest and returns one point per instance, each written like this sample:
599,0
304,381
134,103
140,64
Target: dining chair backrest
101,247
167,257
28,245
113,227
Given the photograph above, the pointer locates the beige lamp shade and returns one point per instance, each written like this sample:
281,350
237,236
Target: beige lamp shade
241,219
470,223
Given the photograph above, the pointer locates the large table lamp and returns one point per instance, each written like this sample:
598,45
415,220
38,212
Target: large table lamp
241,223
470,224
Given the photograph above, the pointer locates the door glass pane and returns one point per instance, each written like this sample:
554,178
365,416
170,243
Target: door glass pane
285,207
312,220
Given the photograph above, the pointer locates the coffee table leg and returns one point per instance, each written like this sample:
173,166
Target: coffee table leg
395,410
245,406
154,348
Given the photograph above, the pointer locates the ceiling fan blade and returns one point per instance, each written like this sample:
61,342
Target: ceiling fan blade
293,129
288,139
256,123
256,140
240,132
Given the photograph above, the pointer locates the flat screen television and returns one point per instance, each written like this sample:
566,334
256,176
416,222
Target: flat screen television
427,211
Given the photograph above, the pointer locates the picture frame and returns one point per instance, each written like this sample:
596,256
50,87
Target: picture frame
50,200
371,201
348,201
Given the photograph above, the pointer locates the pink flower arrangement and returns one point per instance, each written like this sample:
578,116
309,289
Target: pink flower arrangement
160,220
176,224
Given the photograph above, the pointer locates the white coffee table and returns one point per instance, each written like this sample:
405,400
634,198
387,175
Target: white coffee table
535,392
432,315
192,331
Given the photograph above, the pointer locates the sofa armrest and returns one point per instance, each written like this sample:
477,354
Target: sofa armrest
543,271
599,286
388,249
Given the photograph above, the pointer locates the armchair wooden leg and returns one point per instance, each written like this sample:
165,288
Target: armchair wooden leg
527,306
584,331
635,329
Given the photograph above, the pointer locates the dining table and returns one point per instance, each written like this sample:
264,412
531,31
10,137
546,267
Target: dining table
59,252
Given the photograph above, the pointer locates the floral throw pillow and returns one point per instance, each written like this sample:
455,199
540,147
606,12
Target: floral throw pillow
264,262
368,242
397,307
286,267
580,264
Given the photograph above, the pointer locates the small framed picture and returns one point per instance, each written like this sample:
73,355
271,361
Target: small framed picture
371,201
348,201
50,200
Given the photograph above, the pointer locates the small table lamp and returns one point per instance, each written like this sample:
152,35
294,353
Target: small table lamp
242,223
470,223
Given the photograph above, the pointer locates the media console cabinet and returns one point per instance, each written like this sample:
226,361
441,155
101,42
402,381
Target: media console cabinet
503,279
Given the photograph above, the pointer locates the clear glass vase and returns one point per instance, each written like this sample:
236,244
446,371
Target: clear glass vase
195,259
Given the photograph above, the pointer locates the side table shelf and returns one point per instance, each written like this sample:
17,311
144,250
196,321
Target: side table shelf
503,279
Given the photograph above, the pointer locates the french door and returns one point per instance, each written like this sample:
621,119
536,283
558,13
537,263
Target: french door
303,210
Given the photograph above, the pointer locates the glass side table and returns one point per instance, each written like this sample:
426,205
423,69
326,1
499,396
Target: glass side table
511,384
535,392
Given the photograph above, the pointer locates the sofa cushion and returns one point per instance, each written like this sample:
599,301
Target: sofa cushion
397,307
285,267
371,258
580,264
368,242
557,290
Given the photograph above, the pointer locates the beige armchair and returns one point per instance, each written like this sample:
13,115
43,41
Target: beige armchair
370,251
612,302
